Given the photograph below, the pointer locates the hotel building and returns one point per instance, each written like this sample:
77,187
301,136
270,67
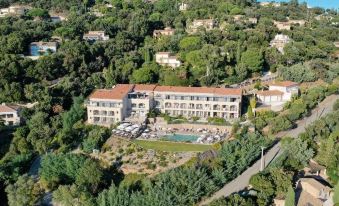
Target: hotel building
109,106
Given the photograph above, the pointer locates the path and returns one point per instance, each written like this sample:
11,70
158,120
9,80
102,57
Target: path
242,181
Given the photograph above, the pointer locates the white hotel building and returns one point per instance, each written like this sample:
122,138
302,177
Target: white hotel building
109,106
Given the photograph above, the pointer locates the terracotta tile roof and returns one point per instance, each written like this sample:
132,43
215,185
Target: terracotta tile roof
284,84
144,87
118,92
311,182
204,90
306,198
121,90
270,93
5,108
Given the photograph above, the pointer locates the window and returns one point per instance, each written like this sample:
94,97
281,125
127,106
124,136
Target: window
9,115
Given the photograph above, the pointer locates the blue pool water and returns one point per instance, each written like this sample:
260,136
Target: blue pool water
35,50
327,4
181,138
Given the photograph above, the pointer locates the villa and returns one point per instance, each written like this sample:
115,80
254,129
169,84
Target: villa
242,18
109,106
208,24
96,36
278,94
279,42
183,6
167,59
287,25
267,4
42,48
10,114
312,192
168,31
13,10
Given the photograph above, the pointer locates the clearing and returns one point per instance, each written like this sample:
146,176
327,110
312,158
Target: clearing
172,146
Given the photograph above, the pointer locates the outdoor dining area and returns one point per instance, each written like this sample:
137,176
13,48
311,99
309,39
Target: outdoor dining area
128,130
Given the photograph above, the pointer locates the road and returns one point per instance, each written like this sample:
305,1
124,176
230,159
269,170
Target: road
242,181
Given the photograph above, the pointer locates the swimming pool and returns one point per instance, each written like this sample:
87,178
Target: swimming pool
181,138
34,50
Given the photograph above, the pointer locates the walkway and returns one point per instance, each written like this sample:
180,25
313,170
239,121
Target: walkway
242,181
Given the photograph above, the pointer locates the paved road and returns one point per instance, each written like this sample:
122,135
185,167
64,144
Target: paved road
242,181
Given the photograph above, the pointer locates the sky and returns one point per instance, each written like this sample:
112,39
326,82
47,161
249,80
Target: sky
328,4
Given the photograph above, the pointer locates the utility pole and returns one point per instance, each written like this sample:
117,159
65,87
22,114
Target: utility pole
262,159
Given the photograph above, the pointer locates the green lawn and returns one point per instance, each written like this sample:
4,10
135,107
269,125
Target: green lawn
172,146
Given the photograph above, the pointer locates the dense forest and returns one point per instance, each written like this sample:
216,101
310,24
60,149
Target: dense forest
228,54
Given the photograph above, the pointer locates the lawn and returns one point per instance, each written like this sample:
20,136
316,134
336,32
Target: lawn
172,146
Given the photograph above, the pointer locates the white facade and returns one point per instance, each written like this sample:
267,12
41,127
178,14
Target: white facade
96,36
10,115
109,106
167,59
168,31
278,94
183,7
13,10
279,42
208,24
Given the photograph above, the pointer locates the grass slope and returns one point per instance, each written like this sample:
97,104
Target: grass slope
172,146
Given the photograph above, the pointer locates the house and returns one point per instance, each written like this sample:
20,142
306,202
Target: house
313,192
242,18
208,24
279,42
278,94
96,36
167,59
10,114
252,20
58,18
287,25
336,44
267,4
13,10
183,6
109,106
42,48
168,31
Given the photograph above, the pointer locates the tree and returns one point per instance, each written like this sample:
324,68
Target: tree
73,115
72,196
90,175
250,114
336,194
290,197
146,74
299,153
37,12
190,43
253,59
23,192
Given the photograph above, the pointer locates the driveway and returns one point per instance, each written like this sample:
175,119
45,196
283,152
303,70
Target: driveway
242,181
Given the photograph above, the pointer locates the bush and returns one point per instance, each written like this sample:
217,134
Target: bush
151,166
